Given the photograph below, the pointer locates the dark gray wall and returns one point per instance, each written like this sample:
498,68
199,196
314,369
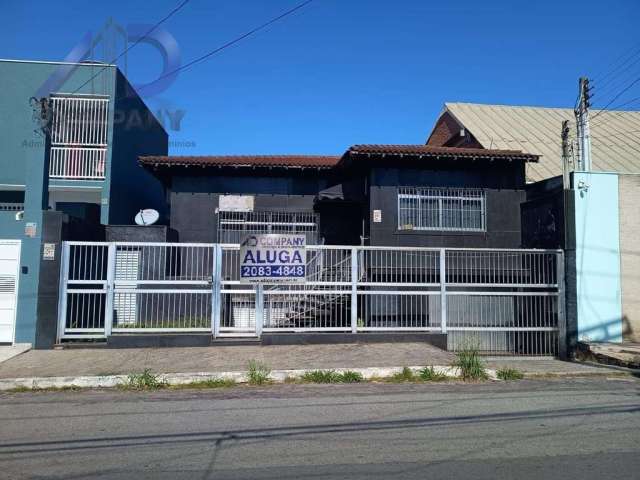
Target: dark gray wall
135,132
194,217
503,223
194,199
137,233
543,215
504,186
56,227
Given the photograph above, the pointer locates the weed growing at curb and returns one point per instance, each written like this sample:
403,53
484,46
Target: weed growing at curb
507,373
349,376
147,380
470,364
204,384
331,376
405,375
429,374
69,388
320,376
258,373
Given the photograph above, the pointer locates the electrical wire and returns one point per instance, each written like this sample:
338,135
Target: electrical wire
174,11
615,98
604,74
237,39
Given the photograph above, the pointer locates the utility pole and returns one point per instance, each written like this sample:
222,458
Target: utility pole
582,124
566,159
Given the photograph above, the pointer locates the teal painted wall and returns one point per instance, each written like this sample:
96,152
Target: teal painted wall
23,163
19,81
597,257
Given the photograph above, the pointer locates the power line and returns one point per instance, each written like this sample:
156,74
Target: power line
237,39
175,10
613,113
600,76
612,82
616,97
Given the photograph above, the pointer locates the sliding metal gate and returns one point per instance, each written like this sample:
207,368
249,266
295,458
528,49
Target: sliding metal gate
495,300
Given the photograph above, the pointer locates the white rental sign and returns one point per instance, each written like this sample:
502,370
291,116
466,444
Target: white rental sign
273,258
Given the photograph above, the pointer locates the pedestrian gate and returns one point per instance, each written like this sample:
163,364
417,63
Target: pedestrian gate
502,301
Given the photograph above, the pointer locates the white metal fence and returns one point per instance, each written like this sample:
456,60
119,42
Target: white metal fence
502,301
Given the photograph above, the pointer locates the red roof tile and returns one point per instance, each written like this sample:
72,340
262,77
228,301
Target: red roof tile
307,161
430,151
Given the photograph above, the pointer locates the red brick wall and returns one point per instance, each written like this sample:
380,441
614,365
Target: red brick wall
446,133
446,128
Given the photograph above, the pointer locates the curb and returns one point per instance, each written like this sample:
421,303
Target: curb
278,376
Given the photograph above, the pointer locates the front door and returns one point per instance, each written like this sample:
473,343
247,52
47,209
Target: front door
9,260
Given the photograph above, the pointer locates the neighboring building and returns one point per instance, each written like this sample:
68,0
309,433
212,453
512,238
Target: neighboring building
615,135
380,195
594,218
71,136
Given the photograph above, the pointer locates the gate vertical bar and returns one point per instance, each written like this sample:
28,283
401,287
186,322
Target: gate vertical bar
443,291
354,290
562,317
111,273
62,299
259,309
216,281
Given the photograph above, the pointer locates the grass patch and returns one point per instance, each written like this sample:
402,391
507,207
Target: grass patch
258,373
70,388
471,366
331,376
349,376
320,376
147,380
405,375
429,374
507,373
205,384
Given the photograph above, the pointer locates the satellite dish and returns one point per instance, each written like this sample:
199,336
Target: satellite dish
147,216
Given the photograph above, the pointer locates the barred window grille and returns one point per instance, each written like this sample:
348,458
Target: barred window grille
79,132
233,226
447,209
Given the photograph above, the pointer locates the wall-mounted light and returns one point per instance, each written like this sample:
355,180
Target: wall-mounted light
583,186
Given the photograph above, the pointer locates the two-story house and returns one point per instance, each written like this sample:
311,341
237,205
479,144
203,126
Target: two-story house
71,134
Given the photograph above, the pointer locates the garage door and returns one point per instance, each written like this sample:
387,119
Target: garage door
9,260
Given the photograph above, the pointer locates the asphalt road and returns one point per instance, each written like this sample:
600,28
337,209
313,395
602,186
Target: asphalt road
580,428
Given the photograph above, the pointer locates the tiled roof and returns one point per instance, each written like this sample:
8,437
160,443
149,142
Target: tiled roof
615,135
306,161
430,151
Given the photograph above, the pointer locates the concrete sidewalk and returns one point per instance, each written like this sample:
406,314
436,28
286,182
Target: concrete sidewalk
103,362
9,351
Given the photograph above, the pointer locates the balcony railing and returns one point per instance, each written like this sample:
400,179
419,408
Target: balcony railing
77,163
78,136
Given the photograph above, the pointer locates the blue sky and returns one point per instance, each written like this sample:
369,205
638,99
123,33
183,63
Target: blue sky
341,72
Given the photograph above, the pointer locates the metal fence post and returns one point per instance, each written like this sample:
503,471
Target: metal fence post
216,287
443,291
111,273
562,316
259,309
354,290
62,292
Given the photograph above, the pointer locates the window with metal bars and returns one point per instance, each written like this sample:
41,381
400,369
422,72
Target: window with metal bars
233,226
79,132
447,209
